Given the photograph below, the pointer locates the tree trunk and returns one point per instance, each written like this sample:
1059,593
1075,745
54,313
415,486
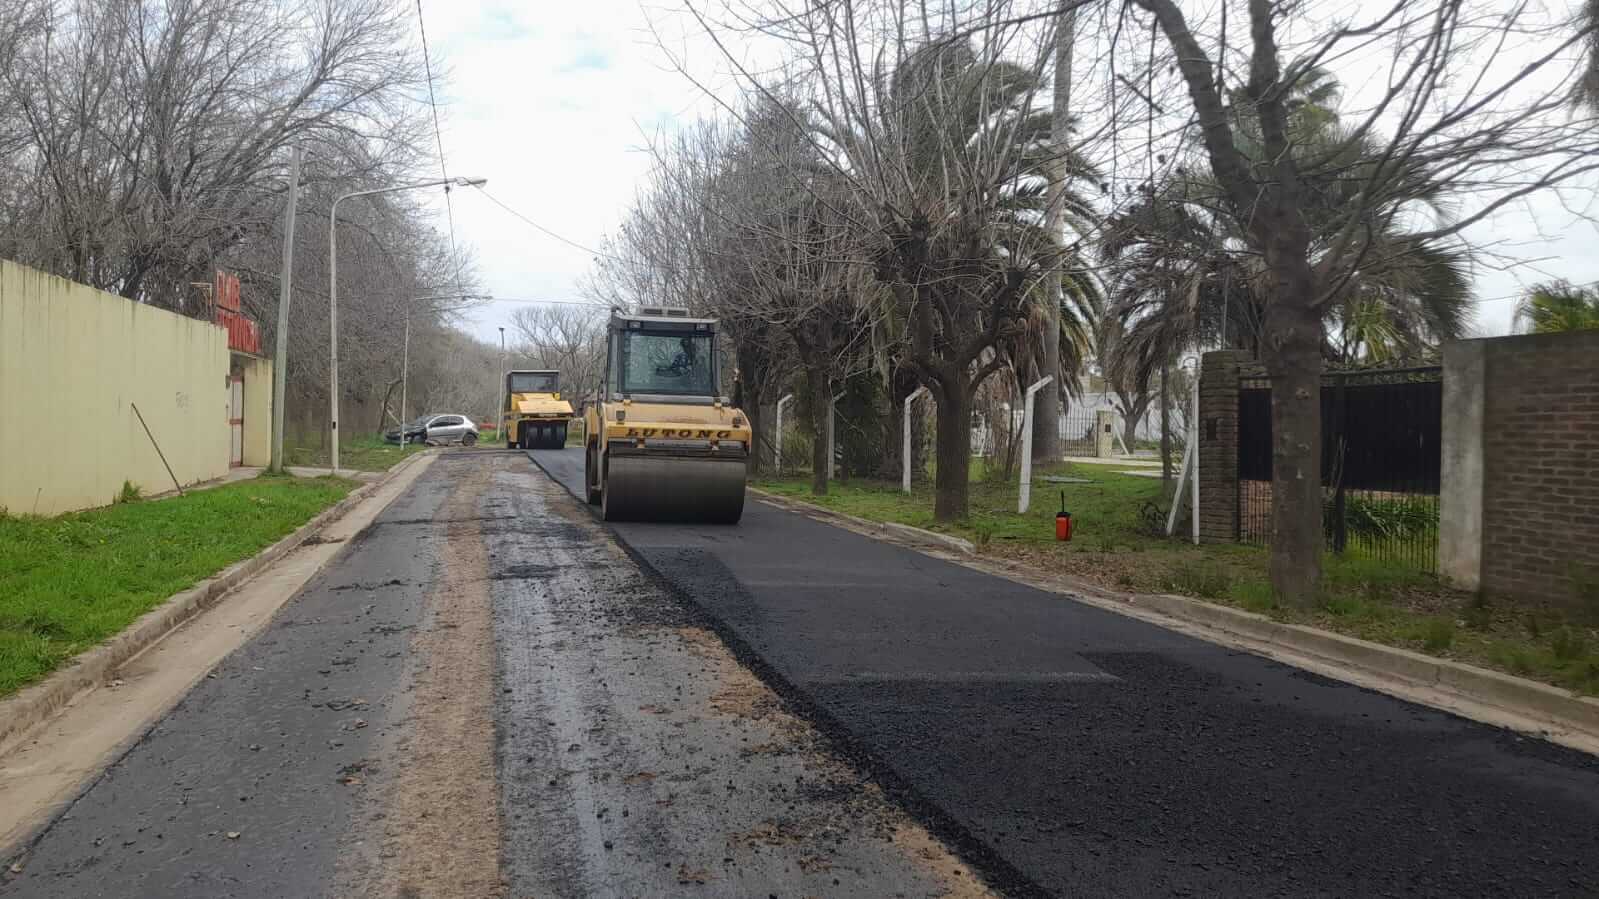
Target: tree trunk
756,451
953,451
1047,406
894,438
1293,360
819,396
1165,430
1130,431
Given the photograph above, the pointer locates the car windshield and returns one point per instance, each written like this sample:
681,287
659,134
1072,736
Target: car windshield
534,381
674,363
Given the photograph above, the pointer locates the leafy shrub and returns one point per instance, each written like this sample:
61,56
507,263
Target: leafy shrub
1585,583
1255,596
1395,519
1477,615
1438,635
1205,580
1568,645
982,536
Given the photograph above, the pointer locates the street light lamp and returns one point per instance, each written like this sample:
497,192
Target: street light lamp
333,291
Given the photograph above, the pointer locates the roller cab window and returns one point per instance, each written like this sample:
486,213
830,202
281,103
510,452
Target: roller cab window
668,364
533,382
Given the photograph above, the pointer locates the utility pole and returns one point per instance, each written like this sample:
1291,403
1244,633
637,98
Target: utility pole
499,394
280,354
405,373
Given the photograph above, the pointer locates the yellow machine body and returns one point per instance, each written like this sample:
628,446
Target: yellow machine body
660,444
536,416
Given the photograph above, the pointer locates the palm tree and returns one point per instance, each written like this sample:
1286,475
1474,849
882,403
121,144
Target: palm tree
1559,306
1180,279
958,161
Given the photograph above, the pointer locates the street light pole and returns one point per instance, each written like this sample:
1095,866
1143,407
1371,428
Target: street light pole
333,293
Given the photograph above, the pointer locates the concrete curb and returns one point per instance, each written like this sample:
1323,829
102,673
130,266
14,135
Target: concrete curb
33,705
904,532
1562,710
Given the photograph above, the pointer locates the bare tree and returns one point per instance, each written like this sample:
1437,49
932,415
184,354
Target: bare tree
1461,107
569,339
154,133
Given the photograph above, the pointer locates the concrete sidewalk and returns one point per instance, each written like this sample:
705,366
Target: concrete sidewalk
250,472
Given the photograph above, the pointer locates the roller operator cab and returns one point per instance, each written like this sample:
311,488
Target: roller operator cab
661,443
535,414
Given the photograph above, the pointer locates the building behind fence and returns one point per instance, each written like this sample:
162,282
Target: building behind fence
75,361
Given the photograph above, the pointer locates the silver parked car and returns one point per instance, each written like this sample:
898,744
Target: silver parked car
436,430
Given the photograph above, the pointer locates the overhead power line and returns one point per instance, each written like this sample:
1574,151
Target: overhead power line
543,230
539,301
438,134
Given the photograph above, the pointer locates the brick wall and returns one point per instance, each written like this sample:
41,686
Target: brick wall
1218,446
1540,473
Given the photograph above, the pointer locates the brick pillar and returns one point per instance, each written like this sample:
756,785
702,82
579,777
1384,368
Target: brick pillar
1218,446
1104,434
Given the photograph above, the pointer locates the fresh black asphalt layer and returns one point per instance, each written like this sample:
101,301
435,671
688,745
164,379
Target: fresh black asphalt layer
1075,752
278,746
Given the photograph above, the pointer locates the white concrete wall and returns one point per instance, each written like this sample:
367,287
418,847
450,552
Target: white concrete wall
73,363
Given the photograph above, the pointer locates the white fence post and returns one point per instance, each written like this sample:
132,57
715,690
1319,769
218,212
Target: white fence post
780,431
1190,470
1024,497
905,450
832,462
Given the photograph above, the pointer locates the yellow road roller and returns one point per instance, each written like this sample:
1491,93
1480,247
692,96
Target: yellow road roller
661,443
535,415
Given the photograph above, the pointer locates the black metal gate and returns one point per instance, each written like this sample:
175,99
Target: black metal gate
1380,463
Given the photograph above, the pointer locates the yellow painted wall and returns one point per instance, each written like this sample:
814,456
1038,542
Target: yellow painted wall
257,409
73,363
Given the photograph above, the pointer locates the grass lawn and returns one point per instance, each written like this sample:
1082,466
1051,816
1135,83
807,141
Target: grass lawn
1118,542
356,453
69,582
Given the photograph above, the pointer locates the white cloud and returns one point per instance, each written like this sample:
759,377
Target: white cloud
553,103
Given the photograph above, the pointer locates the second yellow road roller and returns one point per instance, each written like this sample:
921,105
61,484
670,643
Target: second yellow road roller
661,442
535,414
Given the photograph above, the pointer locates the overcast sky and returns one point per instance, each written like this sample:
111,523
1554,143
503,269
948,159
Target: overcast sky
554,103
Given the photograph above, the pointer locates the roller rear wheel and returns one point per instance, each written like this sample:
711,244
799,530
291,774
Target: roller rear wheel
667,488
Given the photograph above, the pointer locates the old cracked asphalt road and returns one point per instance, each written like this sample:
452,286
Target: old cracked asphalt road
484,695
1070,751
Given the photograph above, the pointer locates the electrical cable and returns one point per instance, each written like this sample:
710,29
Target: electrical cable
438,134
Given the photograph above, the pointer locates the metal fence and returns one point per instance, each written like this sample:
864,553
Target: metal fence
1380,461
1077,431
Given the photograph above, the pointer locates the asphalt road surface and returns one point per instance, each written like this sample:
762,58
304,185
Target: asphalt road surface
483,696
488,693
1070,751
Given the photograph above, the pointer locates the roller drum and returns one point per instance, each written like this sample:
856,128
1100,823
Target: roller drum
673,488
